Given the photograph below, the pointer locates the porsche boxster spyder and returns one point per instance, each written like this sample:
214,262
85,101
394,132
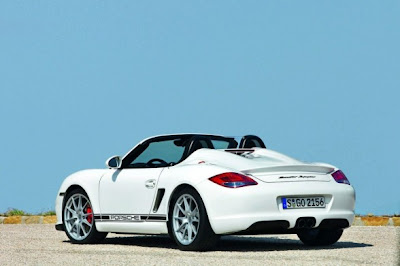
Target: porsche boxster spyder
197,187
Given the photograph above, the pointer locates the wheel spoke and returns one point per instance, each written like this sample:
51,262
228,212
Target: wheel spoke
187,207
189,229
73,225
189,202
72,218
73,212
181,227
85,205
83,230
80,202
194,229
87,222
196,212
73,203
181,209
178,218
185,231
78,230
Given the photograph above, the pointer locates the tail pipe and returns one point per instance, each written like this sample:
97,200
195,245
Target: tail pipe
305,222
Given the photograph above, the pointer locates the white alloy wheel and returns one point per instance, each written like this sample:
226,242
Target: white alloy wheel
186,219
78,217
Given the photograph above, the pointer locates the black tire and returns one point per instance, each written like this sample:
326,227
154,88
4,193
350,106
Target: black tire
205,238
78,219
320,237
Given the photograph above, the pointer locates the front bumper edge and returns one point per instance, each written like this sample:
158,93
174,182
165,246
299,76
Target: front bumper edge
60,227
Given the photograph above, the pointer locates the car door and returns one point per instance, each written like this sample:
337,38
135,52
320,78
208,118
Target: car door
128,192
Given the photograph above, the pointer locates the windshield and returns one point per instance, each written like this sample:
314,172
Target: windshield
160,153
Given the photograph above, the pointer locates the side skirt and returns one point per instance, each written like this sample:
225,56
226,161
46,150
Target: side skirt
145,227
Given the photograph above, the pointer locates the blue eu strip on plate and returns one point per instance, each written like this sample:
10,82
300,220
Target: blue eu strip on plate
284,203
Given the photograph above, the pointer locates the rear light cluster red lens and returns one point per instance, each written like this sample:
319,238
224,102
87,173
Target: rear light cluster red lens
233,180
340,177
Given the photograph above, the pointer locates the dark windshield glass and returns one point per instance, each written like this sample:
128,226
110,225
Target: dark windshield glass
162,153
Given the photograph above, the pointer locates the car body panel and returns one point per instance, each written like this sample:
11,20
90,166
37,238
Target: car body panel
86,179
115,190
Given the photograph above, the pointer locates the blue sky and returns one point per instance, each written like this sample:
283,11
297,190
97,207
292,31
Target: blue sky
81,81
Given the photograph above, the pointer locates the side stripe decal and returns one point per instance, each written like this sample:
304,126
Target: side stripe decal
129,218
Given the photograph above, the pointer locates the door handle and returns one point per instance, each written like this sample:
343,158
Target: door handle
150,183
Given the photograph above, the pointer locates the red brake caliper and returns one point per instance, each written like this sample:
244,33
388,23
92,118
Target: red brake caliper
89,217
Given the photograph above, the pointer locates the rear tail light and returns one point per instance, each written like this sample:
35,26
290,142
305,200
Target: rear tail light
233,180
340,177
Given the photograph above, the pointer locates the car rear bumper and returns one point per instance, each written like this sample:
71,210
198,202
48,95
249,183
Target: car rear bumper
237,210
282,226
278,224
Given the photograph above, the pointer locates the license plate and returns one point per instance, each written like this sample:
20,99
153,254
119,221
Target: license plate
299,203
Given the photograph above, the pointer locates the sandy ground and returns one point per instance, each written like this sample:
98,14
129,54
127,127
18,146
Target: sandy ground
43,245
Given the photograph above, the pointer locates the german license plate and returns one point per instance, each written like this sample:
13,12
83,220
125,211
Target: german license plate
299,203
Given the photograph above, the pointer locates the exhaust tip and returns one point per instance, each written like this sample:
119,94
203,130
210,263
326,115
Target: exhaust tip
301,223
310,222
305,222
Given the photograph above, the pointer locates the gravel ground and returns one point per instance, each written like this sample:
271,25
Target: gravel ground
42,245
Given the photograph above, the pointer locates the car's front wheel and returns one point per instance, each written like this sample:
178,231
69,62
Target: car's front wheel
320,237
188,222
78,219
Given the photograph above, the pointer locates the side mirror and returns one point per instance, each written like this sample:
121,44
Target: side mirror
114,162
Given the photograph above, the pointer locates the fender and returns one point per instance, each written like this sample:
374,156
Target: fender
89,181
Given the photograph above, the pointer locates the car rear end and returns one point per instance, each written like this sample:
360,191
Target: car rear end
280,200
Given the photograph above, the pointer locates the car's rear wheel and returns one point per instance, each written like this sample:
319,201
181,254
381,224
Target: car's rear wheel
78,219
188,222
320,237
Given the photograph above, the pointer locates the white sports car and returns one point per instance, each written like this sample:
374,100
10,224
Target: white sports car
197,187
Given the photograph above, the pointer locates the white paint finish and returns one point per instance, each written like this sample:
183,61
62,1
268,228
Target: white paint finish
58,207
86,179
125,191
292,176
260,158
133,227
191,175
